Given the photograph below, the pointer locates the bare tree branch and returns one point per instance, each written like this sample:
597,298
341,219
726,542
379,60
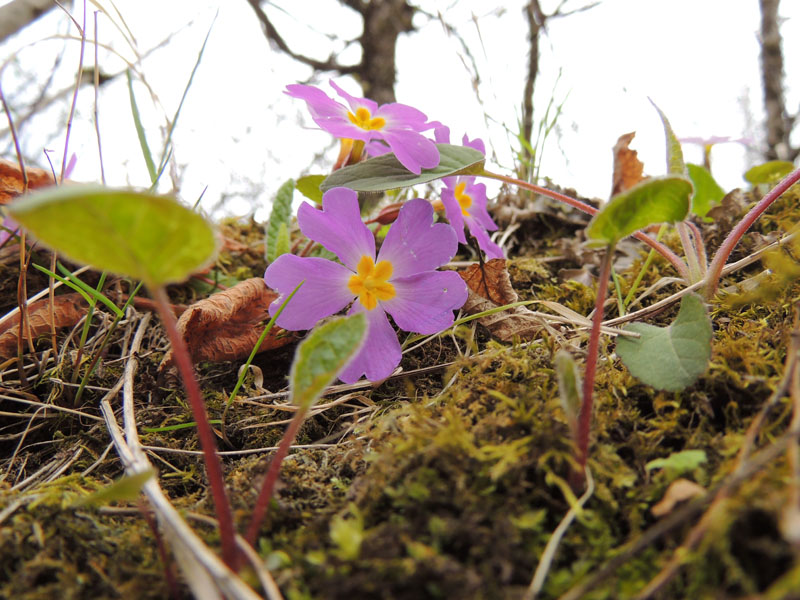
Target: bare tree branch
18,14
273,36
383,20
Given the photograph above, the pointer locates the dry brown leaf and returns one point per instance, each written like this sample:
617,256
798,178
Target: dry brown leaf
11,182
489,286
68,310
227,325
678,491
627,166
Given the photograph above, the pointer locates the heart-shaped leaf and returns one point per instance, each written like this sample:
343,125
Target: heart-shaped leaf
322,355
386,173
707,192
769,172
670,358
148,237
656,200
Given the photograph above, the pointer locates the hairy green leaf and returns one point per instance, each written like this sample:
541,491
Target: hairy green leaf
386,173
675,163
670,358
323,355
278,226
309,187
770,172
656,200
148,237
707,192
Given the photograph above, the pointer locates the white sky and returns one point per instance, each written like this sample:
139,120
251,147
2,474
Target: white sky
697,59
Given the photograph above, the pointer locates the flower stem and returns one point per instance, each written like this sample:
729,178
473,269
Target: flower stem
673,258
267,488
205,435
724,251
585,415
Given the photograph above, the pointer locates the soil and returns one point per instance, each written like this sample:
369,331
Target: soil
447,480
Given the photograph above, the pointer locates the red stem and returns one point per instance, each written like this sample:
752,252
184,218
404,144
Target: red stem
673,258
585,416
267,488
724,251
180,353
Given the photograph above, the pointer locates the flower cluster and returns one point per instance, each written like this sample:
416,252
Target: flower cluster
465,202
398,125
402,280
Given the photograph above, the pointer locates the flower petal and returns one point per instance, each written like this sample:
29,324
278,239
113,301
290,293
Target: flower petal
380,353
476,144
327,112
485,243
324,292
452,210
338,226
402,116
414,243
354,102
478,209
414,151
424,303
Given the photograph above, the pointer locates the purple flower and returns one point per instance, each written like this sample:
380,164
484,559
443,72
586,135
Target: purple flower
401,281
396,124
465,202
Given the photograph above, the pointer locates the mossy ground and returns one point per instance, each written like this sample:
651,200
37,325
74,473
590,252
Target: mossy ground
443,484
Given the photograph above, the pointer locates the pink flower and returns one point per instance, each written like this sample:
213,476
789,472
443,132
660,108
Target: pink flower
465,202
396,124
401,281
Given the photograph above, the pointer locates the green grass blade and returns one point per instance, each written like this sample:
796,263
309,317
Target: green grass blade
137,121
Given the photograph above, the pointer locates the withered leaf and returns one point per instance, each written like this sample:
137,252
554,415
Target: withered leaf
490,287
627,166
678,491
12,183
227,325
68,310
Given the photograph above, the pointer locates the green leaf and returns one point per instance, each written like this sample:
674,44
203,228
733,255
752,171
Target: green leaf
278,227
386,173
569,385
675,164
678,463
655,200
707,192
137,122
309,187
124,489
148,237
770,172
323,355
670,358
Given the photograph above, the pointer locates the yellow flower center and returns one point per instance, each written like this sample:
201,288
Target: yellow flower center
464,200
365,120
370,282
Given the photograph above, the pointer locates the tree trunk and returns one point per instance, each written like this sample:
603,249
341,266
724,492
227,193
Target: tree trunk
18,14
383,23
536,19
779,123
